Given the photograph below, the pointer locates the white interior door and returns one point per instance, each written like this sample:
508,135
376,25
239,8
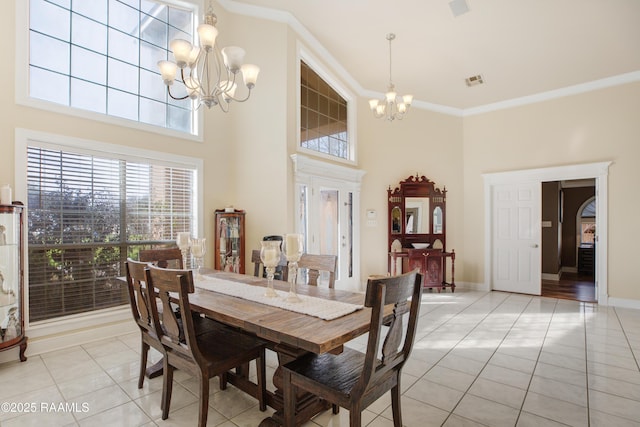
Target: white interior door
516,237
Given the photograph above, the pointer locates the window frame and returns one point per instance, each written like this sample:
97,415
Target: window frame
26,137
304,55
22,73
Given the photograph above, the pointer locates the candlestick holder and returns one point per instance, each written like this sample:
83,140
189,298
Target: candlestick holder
270,257
293,247
182,240
198,248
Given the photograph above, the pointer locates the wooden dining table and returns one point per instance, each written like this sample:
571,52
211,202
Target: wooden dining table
290,334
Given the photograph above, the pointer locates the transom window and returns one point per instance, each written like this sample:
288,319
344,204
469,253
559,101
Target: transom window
101,56
323,116
88,212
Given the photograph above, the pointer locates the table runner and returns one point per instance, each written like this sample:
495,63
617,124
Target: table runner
312,306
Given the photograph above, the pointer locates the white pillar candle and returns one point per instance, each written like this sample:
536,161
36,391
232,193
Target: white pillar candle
183,239
271,257
196,250
293,245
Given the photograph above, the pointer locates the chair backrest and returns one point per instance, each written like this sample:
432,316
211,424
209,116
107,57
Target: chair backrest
281,269
404,292
162,257
315,264
177,334
136,284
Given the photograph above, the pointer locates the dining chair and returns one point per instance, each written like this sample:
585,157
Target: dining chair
162,257
315,264
204,355
352,379
136,284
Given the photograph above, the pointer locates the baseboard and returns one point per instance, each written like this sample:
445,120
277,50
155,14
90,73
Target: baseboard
551,276
624,303
568,270
473,286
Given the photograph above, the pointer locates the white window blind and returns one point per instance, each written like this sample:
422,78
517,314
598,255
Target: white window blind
86,215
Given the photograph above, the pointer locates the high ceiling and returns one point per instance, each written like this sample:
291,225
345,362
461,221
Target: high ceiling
520,47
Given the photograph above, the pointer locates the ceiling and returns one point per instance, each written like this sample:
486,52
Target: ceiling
522,48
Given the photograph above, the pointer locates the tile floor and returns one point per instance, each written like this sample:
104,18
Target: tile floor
492,359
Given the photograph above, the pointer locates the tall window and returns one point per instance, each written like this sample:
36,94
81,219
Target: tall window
101,56
323,116
87,214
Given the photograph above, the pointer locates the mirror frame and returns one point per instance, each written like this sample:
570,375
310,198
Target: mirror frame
416,186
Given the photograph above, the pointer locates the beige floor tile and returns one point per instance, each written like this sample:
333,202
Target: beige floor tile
435,394
486,412
418,414
501,393
506,376
450,378
559,390
614,405
555,409
188,417
128,414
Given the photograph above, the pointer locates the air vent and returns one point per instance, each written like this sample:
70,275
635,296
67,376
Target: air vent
458,7
474,80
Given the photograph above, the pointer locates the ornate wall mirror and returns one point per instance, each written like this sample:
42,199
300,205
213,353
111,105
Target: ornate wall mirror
417,212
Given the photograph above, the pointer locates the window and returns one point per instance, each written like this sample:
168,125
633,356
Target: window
588,222
323,116
88,212
101,56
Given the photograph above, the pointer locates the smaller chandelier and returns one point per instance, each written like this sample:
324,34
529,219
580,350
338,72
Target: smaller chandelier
392,106
207,73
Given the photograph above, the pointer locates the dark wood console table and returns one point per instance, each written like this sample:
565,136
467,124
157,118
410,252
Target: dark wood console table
432,264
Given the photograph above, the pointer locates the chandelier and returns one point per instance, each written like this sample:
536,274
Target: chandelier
392,106
207,73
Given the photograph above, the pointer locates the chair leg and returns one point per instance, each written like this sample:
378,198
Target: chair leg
288,395
395,406
143,363
203,412
167,388
355,416
223,381
262,380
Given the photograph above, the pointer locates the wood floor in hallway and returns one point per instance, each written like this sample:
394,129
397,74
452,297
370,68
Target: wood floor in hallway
571,286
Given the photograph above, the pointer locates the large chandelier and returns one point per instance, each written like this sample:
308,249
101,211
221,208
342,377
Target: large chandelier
392,106
207,73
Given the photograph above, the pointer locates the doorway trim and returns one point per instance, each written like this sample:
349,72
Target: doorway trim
599,171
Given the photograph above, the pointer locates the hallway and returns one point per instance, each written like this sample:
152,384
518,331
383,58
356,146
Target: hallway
573,286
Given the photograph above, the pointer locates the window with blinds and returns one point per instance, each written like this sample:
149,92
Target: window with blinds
86,215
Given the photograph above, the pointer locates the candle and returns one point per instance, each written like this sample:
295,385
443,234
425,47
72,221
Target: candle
182,239
271,257
196,250
293,245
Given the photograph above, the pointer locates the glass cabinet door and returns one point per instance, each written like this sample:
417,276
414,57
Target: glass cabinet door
11,279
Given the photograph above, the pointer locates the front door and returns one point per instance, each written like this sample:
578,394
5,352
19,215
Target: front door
327,221
516,237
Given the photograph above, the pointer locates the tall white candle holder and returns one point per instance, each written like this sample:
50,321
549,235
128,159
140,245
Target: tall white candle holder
198,248
293,247
183,241
270,257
